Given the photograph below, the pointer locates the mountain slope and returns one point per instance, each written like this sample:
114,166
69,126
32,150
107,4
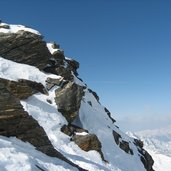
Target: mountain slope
75,128
158,144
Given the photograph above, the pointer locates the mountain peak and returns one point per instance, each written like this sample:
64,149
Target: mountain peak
44,103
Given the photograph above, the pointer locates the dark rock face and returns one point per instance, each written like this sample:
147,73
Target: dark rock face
24,47
124,145
109,114
94,94
144,155
23,88
68,99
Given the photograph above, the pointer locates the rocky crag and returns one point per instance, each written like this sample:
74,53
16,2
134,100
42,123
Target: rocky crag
84,123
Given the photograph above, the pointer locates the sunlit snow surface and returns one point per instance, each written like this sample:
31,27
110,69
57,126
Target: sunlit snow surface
158,144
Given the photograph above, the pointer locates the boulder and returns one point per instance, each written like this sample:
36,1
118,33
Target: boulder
23,88
88,142
68,99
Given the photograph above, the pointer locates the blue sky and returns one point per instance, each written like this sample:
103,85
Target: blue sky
123,46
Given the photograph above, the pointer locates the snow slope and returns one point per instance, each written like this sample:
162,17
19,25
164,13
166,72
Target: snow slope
158,144
16,155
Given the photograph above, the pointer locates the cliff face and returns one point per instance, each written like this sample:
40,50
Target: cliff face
44,103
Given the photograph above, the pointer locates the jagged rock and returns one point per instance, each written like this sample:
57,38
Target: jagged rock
116,137
94,94
51,82
60,70
64,72
14,121
109,114
144,155
86,141
138,143
58,55
23,88
71,129
124,145
24,47
68,99
73,65
147,160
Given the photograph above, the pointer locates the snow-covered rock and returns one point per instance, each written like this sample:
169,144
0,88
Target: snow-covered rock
92,142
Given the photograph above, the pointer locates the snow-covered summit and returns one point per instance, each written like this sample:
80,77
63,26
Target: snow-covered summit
45,104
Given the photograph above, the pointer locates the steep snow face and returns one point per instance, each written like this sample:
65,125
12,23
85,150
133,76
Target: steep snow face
91,117
158,144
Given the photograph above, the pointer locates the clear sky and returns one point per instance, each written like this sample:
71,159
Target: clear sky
123,46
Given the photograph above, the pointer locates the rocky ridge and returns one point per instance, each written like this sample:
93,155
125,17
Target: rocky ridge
71,96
